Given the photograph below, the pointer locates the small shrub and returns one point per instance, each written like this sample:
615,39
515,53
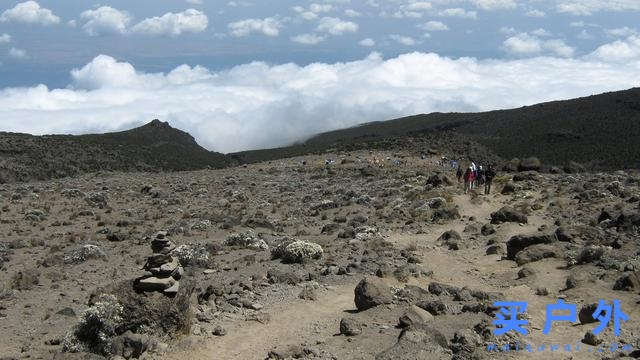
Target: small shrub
96,327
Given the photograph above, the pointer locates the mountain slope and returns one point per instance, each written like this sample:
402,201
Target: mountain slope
602,131
155,146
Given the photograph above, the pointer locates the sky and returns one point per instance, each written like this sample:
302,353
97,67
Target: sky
250,74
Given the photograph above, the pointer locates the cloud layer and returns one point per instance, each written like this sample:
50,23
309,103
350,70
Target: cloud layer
30,12
258,105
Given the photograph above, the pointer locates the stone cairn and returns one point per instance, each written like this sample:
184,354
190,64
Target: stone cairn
165,269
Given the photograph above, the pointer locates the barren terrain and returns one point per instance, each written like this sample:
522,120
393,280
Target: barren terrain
409,266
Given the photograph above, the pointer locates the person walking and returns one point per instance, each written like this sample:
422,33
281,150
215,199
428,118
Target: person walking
459,174
469,177
474,170
488,178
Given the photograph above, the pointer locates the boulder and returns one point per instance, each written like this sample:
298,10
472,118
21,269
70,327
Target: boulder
439,179
537,252
418,342
449,212
451,239
153,283
585,315
414,315
628,282
520,242
350,327
488,229
509,188
530,164
508,214
371,292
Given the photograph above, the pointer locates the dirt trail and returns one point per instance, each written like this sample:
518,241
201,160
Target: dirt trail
308,322
291,323
301,321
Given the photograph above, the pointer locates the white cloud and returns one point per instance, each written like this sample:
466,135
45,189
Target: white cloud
495,4
194,2
525,44
5,38
458,12
320,8
368,42
30,12
536,13
404,40
508,30
239,4
589,7
105,20
621,32
419,6
308,39
434,26
541,32
258,105
173,24
309,15
619,50
269,26
352,13
335,26
559,48
17,53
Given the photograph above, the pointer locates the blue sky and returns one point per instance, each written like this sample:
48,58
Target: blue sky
89,56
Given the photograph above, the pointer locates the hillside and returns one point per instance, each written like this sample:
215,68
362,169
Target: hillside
155,146
601,131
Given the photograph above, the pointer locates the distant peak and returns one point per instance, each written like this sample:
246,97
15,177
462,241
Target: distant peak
159,124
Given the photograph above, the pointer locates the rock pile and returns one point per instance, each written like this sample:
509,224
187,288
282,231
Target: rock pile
165,269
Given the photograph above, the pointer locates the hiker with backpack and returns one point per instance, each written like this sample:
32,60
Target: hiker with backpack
469,177
489,174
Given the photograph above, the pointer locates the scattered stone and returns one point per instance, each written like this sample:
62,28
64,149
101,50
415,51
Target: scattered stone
488,229
508,214
591,339
585,315
451,239
414,315
497,249
350,327
219,331
372,292
520,242
628,282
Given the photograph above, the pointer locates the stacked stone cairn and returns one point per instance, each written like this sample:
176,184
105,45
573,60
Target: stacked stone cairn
165,269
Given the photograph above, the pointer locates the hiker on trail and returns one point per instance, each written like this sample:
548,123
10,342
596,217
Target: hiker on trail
474,170
469,177
489,175
480,177
459,174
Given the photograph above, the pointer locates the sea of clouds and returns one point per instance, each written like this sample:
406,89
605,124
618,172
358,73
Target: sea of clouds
260,105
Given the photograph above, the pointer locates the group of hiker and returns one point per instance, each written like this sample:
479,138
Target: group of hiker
475,176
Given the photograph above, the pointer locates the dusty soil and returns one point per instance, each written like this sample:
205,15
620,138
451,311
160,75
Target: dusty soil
373,214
